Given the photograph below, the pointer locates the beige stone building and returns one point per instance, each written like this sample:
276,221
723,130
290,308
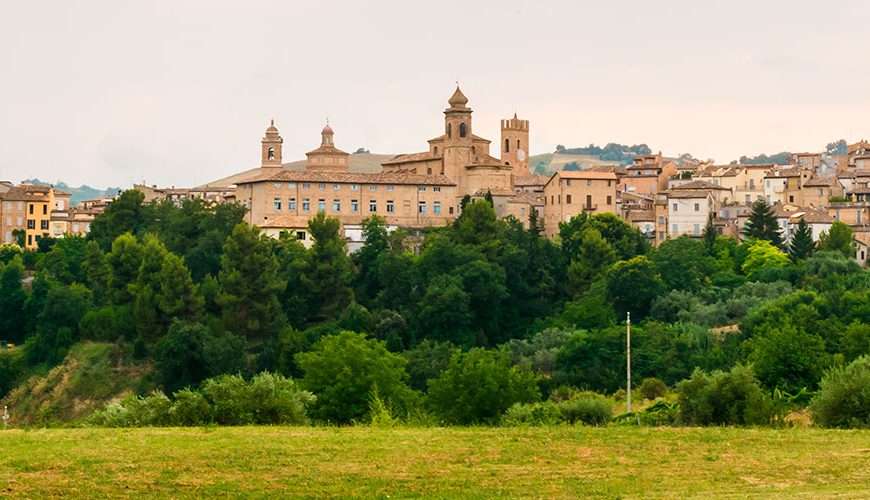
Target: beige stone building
569,193
411,190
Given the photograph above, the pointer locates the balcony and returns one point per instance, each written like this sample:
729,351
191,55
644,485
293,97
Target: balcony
590,208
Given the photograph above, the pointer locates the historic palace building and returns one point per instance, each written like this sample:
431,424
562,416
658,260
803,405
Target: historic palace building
412,190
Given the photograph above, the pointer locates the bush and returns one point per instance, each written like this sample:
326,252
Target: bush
724,398
652,388
546,413
591,409
134,411
479,386
843,399
189,408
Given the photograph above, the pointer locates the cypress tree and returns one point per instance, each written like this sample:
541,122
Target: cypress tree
762,224
802,245
710,234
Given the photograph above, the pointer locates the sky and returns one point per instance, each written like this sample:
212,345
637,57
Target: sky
179,93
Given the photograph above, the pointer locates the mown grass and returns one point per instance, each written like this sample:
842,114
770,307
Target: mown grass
556,462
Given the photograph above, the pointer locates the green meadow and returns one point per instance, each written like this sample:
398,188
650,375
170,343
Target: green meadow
547,462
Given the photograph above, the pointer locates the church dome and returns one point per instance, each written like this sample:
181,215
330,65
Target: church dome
458,98
327,130
272,127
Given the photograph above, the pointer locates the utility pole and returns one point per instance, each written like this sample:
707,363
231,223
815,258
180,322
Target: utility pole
628,361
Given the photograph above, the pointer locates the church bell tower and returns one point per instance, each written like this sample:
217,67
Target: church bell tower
271,148
515,145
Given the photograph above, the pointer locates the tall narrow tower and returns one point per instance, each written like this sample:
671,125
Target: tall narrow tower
458,140
271,148
515,145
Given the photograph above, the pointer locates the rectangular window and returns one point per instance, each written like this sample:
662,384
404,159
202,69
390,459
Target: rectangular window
291,204
588,182
277,203
567,182
389,187
421,188
321,205
277,185
674,207
568,199
608,183
321,186
767,184
748,199
300,235
821,191
661,219
43,224
19,221
373,187
336,186
589,200
609,199
675,228
437,189
697,229
291,185
354,187
697,207
306,185
390,206
306,205
373,206
421,207
31,208
336,205
31,224
354,205
436,207
44,209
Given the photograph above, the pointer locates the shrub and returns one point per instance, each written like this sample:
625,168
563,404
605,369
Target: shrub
590,409
724,398
189,408
843,399
275,399
134,411
652,388
342,369
479,386
546,413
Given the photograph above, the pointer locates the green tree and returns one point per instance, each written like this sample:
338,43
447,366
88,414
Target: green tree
762,224
367,281
838,238
445,311
124,261
479,386
632,285
477,225
124,215
843,399
763,255
189,353
249,284
96,271
343,369
327,278
593,257
789,359
684,264
710,235
802,245
13,320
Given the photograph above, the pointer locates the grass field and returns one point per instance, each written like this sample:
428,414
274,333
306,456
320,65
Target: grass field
558,462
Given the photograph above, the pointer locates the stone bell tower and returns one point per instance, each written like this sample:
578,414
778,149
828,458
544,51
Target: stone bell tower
458,140
271,148
515,145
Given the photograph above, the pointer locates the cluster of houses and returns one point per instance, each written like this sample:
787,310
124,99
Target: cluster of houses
663,197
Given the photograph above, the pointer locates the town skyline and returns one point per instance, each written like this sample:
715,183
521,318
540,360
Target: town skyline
106,103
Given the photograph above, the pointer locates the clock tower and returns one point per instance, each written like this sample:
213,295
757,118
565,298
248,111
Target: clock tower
515,145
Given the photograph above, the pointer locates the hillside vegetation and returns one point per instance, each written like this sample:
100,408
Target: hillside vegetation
89,377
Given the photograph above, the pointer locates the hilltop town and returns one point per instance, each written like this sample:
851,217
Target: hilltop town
663,197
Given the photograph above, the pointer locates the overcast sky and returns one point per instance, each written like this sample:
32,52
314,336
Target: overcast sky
180,92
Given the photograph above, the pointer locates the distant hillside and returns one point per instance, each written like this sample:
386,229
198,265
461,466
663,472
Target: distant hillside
83,192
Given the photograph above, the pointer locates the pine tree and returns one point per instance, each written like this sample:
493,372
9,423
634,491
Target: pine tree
249,284
802,245
328,274
534,225
124,261
710,234
762,224
595,255
96,271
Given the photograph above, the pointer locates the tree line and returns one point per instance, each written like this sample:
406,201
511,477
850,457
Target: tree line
457,323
